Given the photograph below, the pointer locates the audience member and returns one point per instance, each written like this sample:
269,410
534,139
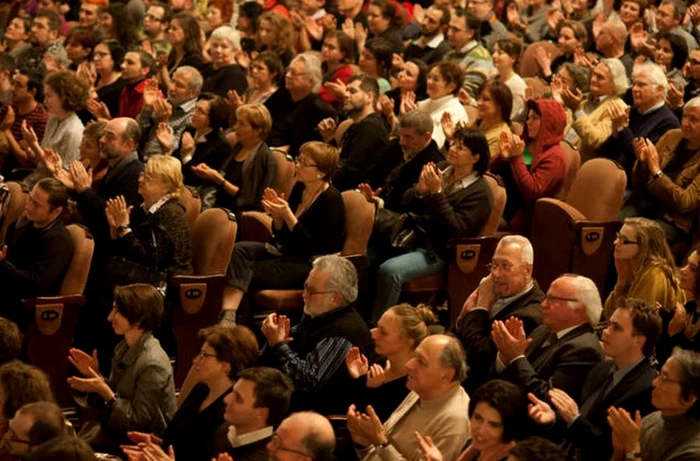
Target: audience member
671,54
17,33
445,79
412,78
329,328
431,46
10,341
139,394
464,36
492,29
37,251
669,15
671,433
449,201
63,448
224,74
32,425
610,43
506,54
306,434
137,68
311,223
536,449
106,80
21,384
437,406
376,62
494,106
45,39
156,21
508,291
681,326
645,268
337,54
384,21
572,36
559,353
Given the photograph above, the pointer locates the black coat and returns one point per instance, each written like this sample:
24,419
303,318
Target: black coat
474,330
563,364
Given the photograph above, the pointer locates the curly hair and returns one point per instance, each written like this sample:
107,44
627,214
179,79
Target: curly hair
285,32
71,90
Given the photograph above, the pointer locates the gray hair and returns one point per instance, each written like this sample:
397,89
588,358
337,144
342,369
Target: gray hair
342,276
689,377
453,356
195,78
694,103
588,295
418,120
655,73
527,254
229,34
313,68
618,74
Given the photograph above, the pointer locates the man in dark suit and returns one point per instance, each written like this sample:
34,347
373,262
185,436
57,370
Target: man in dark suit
258,402
509,291
623,382
560,353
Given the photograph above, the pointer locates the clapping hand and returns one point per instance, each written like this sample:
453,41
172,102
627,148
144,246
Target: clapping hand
652,156
82,178
430,451
510,339
52,160
326,128
365,429
28,133
370,195
385,105
620,116
430,179
82,361
565,405
544,60
276,328
624,428
674,96
93,383
336,88
3,252
408,102
540,411
275,205
572,99
356,363
187,146
86,73
98,109
142,437
511,146
151,93
234,100
9,119
162,110
448,126
117,212
376,376
165,135
148,451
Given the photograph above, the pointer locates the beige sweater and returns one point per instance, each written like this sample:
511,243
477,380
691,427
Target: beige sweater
595,128
444,419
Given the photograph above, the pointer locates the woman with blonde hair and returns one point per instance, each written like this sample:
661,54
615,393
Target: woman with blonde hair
645,267
275,33
310,223
155,235
250,167
397,334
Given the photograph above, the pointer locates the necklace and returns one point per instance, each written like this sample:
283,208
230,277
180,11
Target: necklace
303,207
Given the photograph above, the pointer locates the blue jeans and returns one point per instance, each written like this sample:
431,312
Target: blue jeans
394,272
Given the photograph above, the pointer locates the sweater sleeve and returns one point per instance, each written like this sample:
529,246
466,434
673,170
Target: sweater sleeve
463,218
541,180
593,133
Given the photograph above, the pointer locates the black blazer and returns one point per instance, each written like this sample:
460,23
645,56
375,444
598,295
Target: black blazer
563,365
590,434
474,330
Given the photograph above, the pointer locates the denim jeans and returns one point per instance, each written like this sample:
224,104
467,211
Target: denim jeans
396,271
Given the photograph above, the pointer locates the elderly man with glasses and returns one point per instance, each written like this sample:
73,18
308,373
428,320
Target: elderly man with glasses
508,291
561,352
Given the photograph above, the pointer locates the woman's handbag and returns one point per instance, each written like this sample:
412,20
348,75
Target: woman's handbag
401,230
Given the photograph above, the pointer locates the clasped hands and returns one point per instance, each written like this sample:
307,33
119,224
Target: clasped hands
276,205
276,329
646,153
430,179
510,339
93,381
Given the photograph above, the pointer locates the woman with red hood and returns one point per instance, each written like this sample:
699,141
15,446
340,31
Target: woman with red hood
533,166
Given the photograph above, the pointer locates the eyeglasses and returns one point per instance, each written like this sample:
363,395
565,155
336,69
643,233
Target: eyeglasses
203,355
311,292
503,266
277,446
625,240
664,378
303,161
551,298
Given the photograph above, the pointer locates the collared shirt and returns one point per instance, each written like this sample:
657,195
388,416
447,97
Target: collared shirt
250,437
433,43
463,183
501,303
180,119
156,206
500,366
656,107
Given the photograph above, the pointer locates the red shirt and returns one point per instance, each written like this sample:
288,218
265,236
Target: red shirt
131,100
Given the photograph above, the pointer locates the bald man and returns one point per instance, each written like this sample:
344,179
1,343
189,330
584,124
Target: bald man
437,406
305,434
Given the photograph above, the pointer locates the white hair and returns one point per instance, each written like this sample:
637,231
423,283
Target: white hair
195,78
229,34
342,276
313,67
618,29
655,74
694,103
618,74
527,254
588,295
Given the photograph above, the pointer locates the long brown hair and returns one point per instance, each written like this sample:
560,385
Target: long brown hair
653,250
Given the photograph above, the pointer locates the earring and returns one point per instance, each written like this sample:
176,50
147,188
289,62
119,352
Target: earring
318,176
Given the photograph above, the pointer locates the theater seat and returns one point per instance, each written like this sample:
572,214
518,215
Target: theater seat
572,161
198,297
284,179
18,199
576,236
528,62
359,220
50,335
193,205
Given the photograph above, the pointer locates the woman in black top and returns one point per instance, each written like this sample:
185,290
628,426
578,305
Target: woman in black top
384,22
396,336
117,24
185,36
275,33
106,79
205,142
249,167
223,73
311,223
225,353
413,78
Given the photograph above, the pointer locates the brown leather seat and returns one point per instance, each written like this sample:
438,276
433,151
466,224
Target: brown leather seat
18,200
471,257
199,296
285,173
540,88
572,160
528,61
50,336
359,220
577,236
193,205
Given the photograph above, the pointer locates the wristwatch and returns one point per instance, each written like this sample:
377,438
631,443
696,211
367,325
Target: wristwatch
122,229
